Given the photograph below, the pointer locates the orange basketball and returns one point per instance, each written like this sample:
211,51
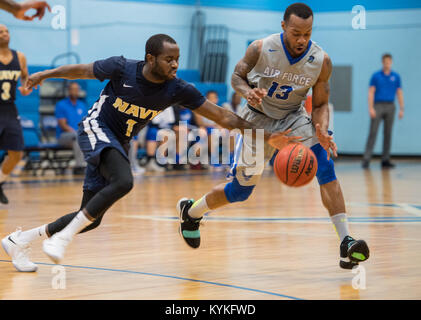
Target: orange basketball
295,165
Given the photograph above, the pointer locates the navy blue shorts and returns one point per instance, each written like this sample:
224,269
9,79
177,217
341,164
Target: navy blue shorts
92,141
11,136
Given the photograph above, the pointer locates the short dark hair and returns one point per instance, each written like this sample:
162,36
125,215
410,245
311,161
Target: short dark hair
299,9
155,44
71,83
386,55
211,91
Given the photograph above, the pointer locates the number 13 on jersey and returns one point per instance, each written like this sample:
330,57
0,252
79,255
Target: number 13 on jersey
284,91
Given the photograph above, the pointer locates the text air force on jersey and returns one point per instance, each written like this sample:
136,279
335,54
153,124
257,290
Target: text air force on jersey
288,76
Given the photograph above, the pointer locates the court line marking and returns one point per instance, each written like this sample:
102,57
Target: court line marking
175,219
171,277
64,179
413,209
330,235
312,220
410,209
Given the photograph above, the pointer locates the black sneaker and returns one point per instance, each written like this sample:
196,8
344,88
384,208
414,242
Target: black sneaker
387,165
189,227
353,252
3,198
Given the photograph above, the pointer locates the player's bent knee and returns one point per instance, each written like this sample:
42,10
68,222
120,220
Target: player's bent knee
236,192
325,168
124,186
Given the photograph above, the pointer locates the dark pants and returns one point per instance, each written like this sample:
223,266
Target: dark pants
384,111
115,168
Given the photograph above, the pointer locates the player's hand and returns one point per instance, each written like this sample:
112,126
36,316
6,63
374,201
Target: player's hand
326,141
33,81
400,114
24,91
372,113
254,96
39,6
279,140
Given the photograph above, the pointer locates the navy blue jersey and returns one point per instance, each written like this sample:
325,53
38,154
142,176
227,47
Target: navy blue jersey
128,101
9,76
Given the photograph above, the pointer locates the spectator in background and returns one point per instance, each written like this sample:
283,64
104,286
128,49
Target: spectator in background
234,105
212,96
384,86
137,170
208,125
188,122
69,112
165,120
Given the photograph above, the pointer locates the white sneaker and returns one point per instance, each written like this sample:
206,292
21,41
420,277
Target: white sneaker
153,166
19,252
138,170
55,247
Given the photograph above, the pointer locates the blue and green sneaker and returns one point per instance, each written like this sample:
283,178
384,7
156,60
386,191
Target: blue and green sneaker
353,252
189,227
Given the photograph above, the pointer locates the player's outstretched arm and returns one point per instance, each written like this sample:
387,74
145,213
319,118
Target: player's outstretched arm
71,71
230,121
19,9
239,77
23,75
320,113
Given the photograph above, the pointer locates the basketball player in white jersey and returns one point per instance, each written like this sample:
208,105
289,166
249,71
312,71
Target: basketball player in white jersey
274,77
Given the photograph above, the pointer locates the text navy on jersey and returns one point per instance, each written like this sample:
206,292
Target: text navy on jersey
129,101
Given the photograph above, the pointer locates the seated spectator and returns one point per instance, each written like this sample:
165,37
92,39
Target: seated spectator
208,125
235,104
212,96
137,170
164,120
69,112
188,117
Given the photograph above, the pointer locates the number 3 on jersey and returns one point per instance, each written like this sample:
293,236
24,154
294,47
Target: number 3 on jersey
285,91
5,91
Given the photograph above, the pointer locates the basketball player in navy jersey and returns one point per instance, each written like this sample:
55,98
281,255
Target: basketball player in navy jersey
137,92
12,67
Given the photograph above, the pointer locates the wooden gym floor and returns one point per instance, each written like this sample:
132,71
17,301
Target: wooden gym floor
279,244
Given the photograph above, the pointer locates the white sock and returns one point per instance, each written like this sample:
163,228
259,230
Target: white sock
33,234
77,224
340,223
199,208
3,177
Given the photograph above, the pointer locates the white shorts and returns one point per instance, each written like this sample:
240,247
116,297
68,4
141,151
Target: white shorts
301,125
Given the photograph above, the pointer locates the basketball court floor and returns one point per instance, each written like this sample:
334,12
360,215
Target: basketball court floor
280,244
